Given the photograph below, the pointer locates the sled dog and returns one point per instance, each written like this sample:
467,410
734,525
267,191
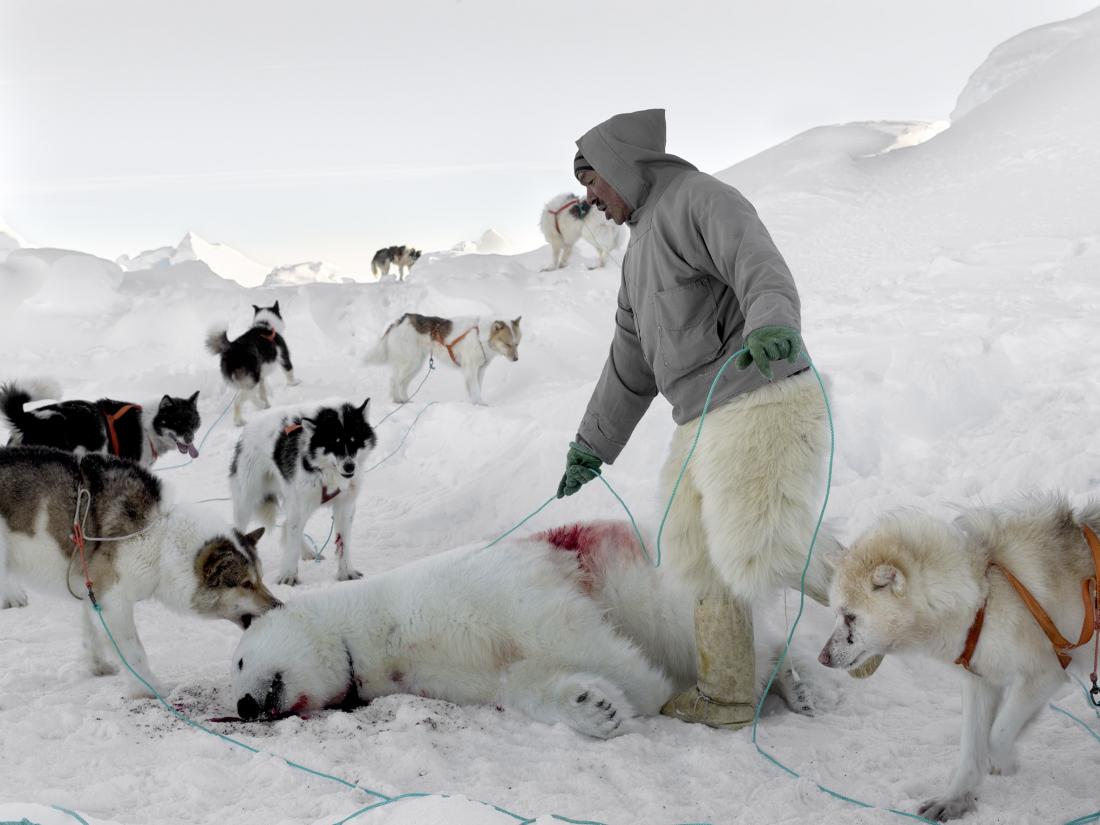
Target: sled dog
138,432
571,625
567,219
403,257
467,343
916,584
186,559
302,458
247,360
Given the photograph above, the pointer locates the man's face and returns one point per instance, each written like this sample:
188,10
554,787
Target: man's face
599,193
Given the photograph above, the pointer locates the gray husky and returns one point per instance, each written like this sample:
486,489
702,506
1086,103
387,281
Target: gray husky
189,560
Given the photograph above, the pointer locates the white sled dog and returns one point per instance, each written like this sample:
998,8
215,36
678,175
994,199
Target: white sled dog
467,343
186,559
567,219
571,625
915,584
303,458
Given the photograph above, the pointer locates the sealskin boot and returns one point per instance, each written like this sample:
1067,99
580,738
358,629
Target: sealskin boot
725,693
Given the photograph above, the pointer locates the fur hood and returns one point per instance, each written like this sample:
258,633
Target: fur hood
628,151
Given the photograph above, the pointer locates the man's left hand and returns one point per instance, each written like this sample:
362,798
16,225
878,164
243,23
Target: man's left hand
770,344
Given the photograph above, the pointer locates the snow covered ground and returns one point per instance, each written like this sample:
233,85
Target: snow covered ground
950,295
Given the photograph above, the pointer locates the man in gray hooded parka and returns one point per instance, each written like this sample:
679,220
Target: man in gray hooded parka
701,280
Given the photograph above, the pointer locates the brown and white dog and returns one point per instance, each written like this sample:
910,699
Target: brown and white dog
187,559
467,343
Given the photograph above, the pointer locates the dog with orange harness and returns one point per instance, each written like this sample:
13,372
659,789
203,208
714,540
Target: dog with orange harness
466,343
990,593
137,432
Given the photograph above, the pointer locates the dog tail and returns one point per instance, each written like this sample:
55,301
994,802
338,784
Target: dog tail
380,354
13,397
217,341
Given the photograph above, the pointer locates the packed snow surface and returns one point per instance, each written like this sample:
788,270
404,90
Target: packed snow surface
949,291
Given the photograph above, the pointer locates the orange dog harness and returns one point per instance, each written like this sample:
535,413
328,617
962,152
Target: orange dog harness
1090,626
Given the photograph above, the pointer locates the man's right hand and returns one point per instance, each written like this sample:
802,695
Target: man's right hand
580,466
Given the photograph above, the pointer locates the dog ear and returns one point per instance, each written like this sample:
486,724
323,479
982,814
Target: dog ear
255,535
255,310
363,408
886,575
498,326
194,398
166,401
515,323
275,309
308,424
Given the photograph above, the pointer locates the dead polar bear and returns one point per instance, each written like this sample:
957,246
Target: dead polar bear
571,625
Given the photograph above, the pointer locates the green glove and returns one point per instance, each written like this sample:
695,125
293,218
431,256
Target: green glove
770,344
580,466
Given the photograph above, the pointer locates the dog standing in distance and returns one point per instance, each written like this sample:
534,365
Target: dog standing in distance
915,584
302,458
567,219
467,343
186,559
403,257
137,432
247,360
571,625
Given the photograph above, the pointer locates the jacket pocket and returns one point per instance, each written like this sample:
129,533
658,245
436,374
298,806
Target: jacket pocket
687,326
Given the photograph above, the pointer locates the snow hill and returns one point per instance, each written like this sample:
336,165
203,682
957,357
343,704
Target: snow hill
949,291
309,272
224,260
9,240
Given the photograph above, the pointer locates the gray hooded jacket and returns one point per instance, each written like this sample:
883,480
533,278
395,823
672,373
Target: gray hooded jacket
700,274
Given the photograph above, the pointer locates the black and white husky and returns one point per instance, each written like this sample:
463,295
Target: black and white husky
138,432
185,558
571,625
302,458
247,360
567,219
467,343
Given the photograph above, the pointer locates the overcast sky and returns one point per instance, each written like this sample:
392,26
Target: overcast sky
322,130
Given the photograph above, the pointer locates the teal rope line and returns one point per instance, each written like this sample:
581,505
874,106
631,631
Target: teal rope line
402,442
801,597
633,523
1088,817
541,507
201,443
431,366
317,551
73,814
228,739
1083,724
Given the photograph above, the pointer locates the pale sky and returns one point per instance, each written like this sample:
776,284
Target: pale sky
323,130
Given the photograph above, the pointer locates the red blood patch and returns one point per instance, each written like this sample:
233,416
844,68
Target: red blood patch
301,704
593,542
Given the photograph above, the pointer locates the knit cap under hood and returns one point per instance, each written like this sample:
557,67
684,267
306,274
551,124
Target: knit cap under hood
628,151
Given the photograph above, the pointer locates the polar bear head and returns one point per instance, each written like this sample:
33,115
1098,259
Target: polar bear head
288,662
